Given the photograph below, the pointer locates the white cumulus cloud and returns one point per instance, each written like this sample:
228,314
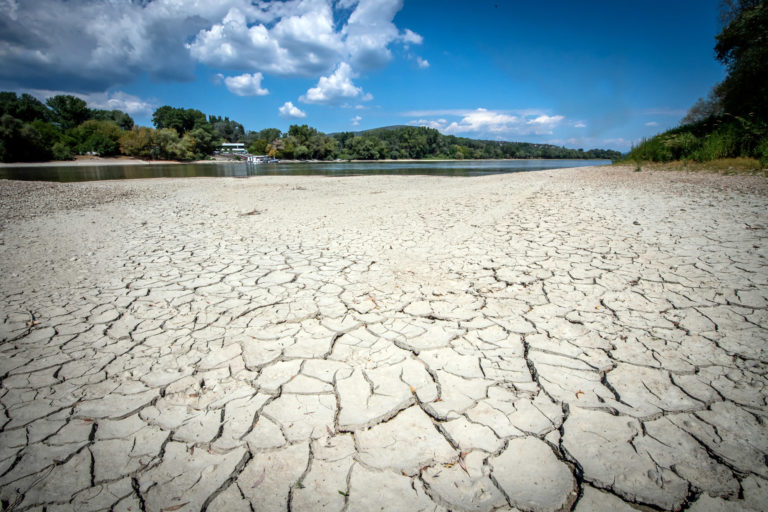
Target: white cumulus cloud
412,37
544,123
246,84
335,88
492,122
485,121
289,111
651,123
422,63
303,37
119,100
303,42
93,46
356,120
369,32
113,100
90,45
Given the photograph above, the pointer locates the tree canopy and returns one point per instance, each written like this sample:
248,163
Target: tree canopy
743,47
223,128
180,119
60,128
68,111
118,117
733,120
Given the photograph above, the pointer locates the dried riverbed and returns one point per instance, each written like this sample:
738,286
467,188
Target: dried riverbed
586,338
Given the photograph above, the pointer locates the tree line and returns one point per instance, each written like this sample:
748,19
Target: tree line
302,142
733,120
64,126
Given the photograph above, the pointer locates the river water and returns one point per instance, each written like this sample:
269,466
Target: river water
244,170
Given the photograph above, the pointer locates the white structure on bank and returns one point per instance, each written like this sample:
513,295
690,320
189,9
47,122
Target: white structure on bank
232,147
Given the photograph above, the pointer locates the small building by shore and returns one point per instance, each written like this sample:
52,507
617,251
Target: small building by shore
232,147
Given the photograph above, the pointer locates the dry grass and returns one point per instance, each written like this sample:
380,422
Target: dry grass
726,166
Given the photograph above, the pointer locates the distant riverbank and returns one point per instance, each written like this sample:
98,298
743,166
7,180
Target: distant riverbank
100,162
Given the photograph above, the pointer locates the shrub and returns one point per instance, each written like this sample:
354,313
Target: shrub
761,152
719,144
651,150
137,142
62,151
682,145
163,143
102,137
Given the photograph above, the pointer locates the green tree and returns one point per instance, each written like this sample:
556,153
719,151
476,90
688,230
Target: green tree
201,141
743,47
275,148
301,152
258,147
101,137
10,137
62,151
183,149
137,142
164,144
269,134
302,133
224,129
68,111
180,119
27,142
120,118
25,108
364,148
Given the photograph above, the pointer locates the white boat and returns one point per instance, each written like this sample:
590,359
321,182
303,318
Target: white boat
261,159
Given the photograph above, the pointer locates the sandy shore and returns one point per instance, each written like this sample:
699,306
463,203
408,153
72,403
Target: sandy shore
588,339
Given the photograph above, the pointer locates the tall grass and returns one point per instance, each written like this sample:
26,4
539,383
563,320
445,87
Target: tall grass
712,139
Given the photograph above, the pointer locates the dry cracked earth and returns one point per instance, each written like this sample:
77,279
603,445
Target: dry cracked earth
591,339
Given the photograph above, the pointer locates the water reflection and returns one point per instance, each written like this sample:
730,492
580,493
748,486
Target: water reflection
243,170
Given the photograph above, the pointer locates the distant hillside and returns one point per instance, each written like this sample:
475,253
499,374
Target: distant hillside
372,131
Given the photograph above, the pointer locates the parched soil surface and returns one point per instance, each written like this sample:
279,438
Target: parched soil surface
588,339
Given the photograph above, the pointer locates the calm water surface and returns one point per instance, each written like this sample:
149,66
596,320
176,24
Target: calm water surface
243,170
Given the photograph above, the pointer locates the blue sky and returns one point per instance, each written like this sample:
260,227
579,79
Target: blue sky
580,74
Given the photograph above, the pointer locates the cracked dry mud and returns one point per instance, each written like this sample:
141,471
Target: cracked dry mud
588,338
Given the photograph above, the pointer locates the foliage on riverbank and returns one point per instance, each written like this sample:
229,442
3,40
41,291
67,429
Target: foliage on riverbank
732,122
711,139
64,127
33,131
401,142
